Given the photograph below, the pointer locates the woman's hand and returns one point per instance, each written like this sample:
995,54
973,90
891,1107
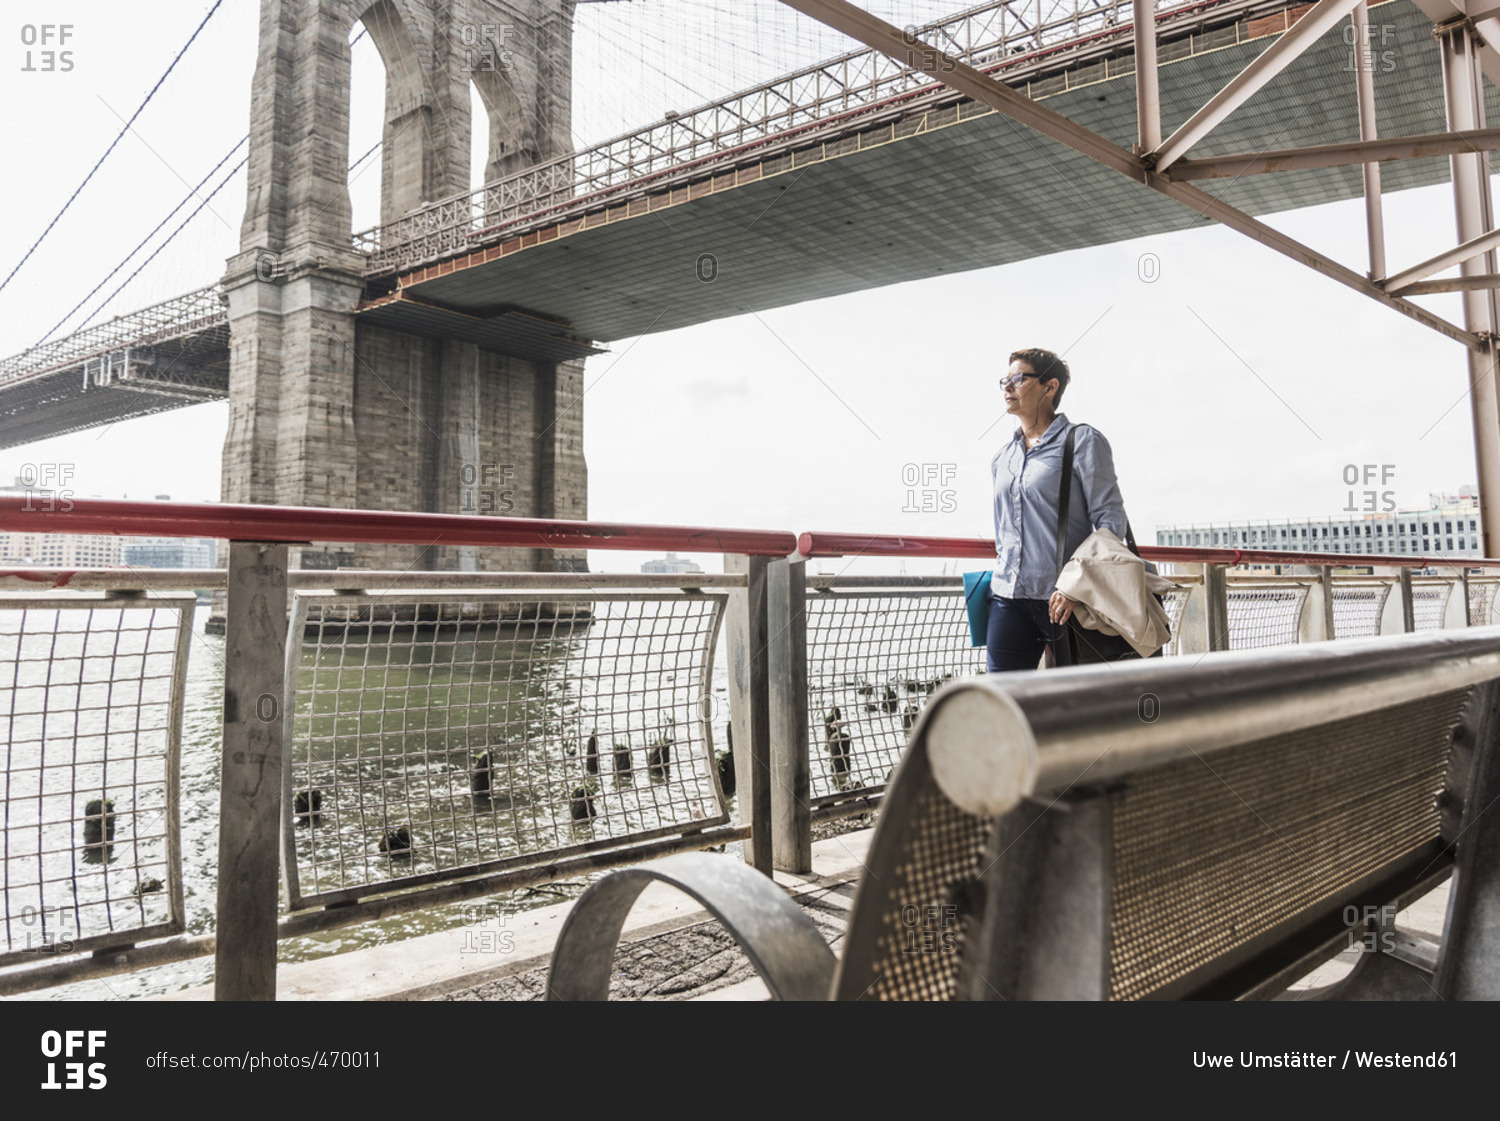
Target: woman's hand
1060,608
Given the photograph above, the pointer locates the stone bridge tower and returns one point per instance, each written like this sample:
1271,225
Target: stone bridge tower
328,407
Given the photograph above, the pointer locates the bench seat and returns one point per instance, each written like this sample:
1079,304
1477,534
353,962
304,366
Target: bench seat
1166,829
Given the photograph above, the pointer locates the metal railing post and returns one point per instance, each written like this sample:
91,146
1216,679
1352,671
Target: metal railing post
750,702
1216,605
791,774
255,641
1316,622
1204,623
1408,606
1455,612
1192,624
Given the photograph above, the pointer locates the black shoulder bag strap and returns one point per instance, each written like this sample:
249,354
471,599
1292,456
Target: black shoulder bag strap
1064,494
1062,506
1062,651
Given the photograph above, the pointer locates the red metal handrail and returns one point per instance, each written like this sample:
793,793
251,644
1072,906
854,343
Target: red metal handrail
298,524
877,545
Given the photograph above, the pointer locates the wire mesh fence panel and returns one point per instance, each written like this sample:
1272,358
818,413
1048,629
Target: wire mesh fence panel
1481,602
90,710
873,659
1175,602
1357,610
1429,602
1261,616
444,734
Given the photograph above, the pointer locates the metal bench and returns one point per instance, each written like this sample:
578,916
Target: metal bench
1213,828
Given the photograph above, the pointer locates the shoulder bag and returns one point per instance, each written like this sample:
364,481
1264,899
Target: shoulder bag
1076,645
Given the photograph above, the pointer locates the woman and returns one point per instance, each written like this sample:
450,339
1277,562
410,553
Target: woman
1027,613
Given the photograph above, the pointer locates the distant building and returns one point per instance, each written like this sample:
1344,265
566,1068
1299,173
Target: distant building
169,552
54,550
671,564
59,550
87,550
1448,528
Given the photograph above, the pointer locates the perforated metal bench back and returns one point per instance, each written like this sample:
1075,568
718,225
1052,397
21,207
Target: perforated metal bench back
1211,854
926,850
1210,857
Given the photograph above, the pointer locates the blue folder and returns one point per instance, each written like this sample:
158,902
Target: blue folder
977,601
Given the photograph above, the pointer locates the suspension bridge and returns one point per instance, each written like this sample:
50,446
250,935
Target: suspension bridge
867,169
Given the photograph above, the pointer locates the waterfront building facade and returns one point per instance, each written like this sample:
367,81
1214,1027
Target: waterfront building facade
1448,528
671,564
54,550
82,550
169,552
59,550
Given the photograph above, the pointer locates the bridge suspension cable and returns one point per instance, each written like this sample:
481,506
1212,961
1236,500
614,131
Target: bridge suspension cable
193,193
142,243
207,199
112,145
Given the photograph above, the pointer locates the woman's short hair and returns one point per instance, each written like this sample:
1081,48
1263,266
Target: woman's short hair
1047,365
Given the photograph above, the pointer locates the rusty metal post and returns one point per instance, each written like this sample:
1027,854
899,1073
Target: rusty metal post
1147,87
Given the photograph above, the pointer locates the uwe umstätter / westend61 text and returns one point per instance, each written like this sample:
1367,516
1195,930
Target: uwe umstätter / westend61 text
1447,1060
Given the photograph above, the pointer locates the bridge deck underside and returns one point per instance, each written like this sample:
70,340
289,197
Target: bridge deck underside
167,375
980,192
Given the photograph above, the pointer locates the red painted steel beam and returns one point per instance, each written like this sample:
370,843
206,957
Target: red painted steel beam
876,545
295,524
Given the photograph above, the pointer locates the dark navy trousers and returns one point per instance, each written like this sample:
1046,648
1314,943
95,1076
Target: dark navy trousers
1019,633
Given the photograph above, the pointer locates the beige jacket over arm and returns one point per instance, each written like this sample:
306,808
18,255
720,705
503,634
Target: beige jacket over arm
1116,594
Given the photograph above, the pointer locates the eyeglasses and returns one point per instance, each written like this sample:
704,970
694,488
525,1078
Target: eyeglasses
1015,380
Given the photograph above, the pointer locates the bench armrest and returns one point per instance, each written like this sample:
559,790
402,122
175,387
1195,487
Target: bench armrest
781,942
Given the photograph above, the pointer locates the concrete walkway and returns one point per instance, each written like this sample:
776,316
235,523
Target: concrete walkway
671,949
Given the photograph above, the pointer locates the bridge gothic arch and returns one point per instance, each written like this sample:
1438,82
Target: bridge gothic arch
426,131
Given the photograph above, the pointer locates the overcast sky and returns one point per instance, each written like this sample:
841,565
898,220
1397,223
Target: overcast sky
1236,385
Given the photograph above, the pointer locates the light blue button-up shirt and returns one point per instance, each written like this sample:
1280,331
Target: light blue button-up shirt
1027,487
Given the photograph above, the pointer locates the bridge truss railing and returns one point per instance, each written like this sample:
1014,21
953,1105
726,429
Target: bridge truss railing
1003,35
190,313
436,737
